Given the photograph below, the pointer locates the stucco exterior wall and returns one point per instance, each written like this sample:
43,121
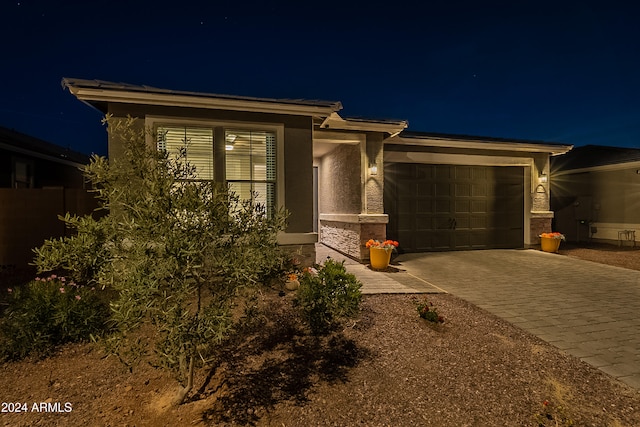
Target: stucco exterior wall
374,186
351,197
298,150
339,188
616,194
598,204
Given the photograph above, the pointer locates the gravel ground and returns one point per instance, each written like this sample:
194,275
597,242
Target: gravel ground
625,256
387,368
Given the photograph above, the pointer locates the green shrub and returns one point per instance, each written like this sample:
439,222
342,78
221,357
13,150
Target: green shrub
176,250
327,295
48,312
427,311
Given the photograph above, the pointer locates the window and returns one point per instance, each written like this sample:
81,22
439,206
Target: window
22,174
250,157
251,165
197,143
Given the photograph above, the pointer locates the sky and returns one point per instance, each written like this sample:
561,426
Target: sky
563,71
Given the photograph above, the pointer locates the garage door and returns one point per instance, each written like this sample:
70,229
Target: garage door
452,207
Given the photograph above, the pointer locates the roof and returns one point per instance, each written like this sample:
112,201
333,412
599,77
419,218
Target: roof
99,92
335,121
477,142
590,156
17,142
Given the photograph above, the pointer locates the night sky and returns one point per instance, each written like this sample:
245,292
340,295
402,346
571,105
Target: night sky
563,71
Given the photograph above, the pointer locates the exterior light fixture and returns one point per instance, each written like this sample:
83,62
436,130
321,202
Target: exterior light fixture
373,169
543,178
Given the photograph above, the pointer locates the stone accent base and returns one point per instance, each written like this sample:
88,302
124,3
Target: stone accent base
350,236
305,254
540,222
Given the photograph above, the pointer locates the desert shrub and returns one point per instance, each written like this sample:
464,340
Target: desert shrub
427,311
174,248
327,295
48,312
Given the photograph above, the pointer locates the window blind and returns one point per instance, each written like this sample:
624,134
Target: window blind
251,165
195,142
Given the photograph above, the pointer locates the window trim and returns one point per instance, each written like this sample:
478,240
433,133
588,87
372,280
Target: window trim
152,121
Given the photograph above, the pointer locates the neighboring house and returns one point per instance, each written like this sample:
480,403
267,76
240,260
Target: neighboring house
38,182
347,180
596,194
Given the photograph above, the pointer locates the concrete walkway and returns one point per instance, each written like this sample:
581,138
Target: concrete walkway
396,280
589,310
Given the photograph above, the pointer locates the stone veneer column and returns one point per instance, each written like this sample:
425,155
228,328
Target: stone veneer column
541,216
373,224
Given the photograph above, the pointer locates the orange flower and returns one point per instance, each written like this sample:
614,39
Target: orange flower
387,244
553,235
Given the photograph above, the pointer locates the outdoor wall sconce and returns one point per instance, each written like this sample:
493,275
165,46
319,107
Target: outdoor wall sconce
373,169
543,178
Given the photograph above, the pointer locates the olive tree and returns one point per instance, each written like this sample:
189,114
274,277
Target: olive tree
176,250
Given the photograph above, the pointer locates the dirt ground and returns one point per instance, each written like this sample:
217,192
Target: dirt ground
386,368
620,256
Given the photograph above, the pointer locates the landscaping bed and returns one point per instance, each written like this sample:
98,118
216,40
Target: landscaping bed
620,256
388,368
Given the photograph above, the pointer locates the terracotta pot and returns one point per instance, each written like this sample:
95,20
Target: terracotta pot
549,244
379,257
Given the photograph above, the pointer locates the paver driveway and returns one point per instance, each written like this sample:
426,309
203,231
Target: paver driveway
590,310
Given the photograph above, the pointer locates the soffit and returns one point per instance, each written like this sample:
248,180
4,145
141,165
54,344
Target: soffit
324,141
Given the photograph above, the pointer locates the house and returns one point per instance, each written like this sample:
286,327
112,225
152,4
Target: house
596,194
346,180
38,182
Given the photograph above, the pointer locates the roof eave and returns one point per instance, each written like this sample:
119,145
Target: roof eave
95,95
49,157
553,149
335,122
599,168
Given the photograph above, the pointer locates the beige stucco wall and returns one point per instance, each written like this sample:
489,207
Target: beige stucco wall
608,201
617,194
298,151
374,184
339,187
351,208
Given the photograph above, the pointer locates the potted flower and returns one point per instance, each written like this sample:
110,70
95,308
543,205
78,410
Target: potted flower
550,242
380,253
